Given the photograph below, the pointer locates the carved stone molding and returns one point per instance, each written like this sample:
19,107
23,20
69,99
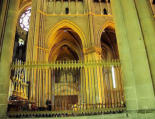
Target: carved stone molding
95,49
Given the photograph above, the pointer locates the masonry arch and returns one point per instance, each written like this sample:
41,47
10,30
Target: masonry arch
65,24
110,53
65,35
25,6
108,42
65,42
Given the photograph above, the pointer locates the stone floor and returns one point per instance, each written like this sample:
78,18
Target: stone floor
105,116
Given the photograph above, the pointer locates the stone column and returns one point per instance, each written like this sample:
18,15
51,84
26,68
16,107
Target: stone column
32,44
32,48
147,23
6,55
90,22
93,77
1,3
125,55
3,16
141,71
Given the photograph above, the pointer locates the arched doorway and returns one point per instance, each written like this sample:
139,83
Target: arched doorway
113,87
65,82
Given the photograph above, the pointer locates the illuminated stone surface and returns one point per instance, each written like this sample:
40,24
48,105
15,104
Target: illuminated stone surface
134,25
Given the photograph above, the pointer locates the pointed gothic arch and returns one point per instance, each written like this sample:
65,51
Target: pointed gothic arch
65,33
108,40
110,52
64,24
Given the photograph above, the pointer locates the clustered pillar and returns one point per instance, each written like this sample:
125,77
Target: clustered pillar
6,54
135,30
135,64
147,23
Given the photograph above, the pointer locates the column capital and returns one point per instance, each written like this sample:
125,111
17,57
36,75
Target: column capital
94,49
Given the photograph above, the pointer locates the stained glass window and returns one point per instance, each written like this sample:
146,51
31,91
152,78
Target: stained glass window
25,19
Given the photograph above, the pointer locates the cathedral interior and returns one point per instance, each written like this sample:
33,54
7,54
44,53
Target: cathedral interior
77,58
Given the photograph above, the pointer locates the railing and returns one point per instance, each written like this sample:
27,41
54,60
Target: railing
69,87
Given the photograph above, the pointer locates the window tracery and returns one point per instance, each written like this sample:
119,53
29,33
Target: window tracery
25,19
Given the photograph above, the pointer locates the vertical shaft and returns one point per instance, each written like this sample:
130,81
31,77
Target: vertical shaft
7,52
125,55
147,24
